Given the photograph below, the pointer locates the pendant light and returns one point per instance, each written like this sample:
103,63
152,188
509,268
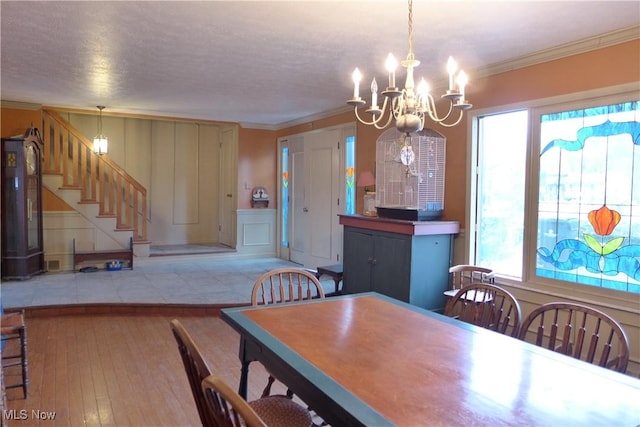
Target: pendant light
100,142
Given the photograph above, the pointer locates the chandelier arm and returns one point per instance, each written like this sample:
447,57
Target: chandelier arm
397,104
364,122
433,112
377,126
450,125
375,119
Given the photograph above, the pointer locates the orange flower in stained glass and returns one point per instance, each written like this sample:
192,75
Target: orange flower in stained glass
604,220
285,175
350,172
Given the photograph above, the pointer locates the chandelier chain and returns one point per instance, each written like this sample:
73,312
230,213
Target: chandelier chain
410,55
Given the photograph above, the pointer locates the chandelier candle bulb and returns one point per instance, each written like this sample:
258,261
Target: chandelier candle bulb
356,76
451,69
392,64
462,82
374,94
423,92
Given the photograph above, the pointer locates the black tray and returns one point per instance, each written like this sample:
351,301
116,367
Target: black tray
408,214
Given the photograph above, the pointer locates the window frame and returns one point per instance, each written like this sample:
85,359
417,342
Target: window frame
531,282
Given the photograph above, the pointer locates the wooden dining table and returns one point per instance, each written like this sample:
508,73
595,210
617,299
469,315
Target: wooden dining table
367,359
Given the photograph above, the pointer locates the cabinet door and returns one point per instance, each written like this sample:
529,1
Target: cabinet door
357,261
430,271
391,270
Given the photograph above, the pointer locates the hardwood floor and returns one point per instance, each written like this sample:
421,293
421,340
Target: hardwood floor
119,370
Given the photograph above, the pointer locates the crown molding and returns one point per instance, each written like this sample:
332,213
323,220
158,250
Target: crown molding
18,105
585,45
301,121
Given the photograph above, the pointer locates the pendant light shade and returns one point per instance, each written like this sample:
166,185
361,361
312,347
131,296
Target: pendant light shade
100,142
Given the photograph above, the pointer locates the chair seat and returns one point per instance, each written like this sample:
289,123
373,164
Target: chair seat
12,327
11,323
477,296
281,411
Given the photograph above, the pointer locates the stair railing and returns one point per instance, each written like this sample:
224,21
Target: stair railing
100,180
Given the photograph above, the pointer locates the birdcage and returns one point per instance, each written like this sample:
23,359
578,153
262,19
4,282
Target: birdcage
410,175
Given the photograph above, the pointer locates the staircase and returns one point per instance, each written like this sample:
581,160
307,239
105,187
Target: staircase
93,184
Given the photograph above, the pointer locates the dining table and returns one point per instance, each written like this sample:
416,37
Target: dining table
370,360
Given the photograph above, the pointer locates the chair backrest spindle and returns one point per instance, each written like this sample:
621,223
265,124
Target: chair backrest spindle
488,306
284,285
583,328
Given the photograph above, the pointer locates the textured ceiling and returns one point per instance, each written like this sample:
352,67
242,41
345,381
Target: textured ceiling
264,63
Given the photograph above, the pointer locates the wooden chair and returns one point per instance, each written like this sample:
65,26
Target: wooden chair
284,285
13,329
463,275
488,306
578,331
279,410
230,410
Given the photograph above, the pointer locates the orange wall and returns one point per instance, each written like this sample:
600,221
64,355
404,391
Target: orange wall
610,66
14,122
257,165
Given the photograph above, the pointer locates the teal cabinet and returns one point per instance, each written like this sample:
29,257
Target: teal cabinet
405,260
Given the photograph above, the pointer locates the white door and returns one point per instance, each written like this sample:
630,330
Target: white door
314,185
227,186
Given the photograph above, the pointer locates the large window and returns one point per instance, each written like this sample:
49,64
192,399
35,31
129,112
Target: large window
501,189
572,175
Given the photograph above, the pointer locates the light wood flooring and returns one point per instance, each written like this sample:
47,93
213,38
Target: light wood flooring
120,370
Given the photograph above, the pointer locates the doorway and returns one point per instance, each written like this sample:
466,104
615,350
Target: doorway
312,195
228,185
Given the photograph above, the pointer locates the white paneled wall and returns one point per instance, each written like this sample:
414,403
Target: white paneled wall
179,165
256,232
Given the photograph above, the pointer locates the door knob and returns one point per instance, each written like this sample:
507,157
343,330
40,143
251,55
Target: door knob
305,210
229,195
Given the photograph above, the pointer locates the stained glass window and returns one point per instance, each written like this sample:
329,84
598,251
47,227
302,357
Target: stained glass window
285,196
349,179
589,197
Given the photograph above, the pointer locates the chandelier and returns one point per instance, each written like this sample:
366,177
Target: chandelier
100,142
411,106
